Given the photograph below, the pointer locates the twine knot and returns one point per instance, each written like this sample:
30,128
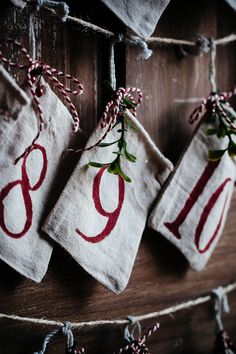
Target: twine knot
221,302
215,102
66,329
203,44
60,7
36,69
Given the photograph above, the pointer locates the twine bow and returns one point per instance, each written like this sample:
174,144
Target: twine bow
139,346
213,104
34,71
112,110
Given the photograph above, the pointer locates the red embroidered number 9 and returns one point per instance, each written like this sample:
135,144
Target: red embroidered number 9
112,216
24,183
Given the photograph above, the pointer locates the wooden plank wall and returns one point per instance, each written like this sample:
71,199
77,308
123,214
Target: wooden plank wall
161,276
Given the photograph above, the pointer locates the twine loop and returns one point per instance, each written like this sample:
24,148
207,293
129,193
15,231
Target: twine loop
112,110
215,102
35,69
129,335
138,346
60,7
65,330
221,303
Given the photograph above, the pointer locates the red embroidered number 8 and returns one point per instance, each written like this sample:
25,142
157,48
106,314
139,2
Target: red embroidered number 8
24,183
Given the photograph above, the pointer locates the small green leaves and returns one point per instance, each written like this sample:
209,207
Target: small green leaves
215,155
211,131
114,167
97,164
222,129
232,149
108,144
125,177
129,157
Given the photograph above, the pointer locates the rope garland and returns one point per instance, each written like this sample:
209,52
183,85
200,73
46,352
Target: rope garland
152,40
168,311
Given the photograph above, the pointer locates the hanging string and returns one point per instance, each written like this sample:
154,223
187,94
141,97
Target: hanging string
212,66
221,302
223,344
165,312
32,39
64,330
139,345
60,8
145,53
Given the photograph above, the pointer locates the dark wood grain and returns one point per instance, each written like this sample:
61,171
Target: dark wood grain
161,276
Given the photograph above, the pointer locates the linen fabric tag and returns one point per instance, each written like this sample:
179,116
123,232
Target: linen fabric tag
193,207
99,218
27,189
19,3
140,16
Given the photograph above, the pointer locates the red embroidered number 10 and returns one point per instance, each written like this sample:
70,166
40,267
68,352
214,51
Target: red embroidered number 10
24,183
111,216
174,226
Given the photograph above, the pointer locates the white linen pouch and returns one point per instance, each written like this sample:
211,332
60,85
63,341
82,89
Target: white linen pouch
27,188
99,218
193,207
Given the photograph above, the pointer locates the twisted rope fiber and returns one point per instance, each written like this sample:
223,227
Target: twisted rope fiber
168,311
153,40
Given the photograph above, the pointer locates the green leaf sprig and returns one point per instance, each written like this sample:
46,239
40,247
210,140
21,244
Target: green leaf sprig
223,121
114,167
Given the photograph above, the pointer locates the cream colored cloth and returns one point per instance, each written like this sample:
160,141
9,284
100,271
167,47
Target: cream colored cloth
232,3
28,189
141,16
193,207
19,3
99,219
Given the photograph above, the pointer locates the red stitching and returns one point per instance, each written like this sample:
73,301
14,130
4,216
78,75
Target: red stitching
174,226
24,183
206,212
112,216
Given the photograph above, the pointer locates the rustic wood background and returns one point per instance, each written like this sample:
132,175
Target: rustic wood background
161,276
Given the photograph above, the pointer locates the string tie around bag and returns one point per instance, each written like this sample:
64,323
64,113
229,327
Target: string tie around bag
113,109
136,346
216,101
223,343
66,331
213,103
35,69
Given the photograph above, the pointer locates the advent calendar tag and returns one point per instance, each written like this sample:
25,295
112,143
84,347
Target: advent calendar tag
26,188
192,210
99,218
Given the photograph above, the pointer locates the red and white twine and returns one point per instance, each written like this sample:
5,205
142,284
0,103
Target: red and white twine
34,70
139,346
112,111
213,103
